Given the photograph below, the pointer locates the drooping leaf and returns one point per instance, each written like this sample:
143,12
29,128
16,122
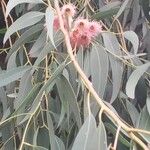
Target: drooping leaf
68,98
36,102
38,45
148,104
25,37
99,74
107,11
144,123
102,144
49,15
134,78
13,74
87,138
132,112
112,45
122,8
24,21
12,3
121,138
133,38
55,142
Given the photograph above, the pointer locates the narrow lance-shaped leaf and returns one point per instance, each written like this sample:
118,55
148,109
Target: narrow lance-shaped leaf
49,24
12,3
112,45
9,76
24,21
87,136
133,38
122,8
134,78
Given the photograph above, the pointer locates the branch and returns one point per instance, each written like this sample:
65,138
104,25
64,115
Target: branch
90,87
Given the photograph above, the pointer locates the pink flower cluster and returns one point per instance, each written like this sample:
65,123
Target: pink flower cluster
83,30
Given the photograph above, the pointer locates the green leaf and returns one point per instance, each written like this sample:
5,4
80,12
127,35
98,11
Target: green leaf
37,100
38,45
102,144
87,138
134,114
113,130
46,49
68,96
55,142
27,100
24,21
107,11
112,45
134,78
12,61
3,30
122,8
144,123
49,15
148,104
13,74
25,37
98,59
133,38
12,3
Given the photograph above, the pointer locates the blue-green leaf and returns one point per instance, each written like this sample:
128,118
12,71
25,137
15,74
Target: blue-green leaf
24,21
12,3
134,78
13,74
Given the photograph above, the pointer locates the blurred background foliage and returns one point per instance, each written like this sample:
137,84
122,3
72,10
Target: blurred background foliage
44,104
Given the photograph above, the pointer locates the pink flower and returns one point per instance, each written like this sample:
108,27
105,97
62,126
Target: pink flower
79,38
56,23
68,10
81,24
94,28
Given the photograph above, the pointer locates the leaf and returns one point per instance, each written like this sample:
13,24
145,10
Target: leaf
12,61
99,58
122,8
49,23
13,74
43,137
24,88
55,142
39,44
25,37
148,104
95,66
113,130
24,21
134,114
112,45
87,138
67,96
144,123
107,11
134,78
102,144
46,49
12,3
133,38
35,137
44,88
27,100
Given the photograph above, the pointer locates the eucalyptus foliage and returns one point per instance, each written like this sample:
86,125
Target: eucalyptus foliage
44,102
